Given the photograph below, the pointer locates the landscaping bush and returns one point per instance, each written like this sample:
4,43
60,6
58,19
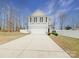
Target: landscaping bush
68,27
49,33
55,33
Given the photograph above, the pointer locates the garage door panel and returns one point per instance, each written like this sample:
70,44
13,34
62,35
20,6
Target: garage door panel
42,31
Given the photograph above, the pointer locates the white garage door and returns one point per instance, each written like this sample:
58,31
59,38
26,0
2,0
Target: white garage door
40,31
38,28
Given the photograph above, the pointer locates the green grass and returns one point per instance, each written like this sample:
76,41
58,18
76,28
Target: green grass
9,36
70,45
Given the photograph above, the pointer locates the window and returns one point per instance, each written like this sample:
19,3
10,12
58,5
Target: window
46,19
41,19
30,19
34,19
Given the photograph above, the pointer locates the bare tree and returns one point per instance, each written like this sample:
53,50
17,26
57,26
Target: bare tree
62,18
10,18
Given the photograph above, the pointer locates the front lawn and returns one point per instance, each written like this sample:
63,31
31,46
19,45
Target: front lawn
9,36
70,45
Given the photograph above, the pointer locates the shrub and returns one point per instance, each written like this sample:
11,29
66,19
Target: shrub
55,33
68,27
49,33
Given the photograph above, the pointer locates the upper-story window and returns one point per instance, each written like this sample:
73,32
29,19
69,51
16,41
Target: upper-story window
41,19
46,19
30,19
36,19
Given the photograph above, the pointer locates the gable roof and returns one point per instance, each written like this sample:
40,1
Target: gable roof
38,13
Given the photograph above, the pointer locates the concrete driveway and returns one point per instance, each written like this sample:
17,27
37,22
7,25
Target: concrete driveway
33,45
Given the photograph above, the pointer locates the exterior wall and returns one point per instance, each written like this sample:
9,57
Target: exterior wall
38,25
